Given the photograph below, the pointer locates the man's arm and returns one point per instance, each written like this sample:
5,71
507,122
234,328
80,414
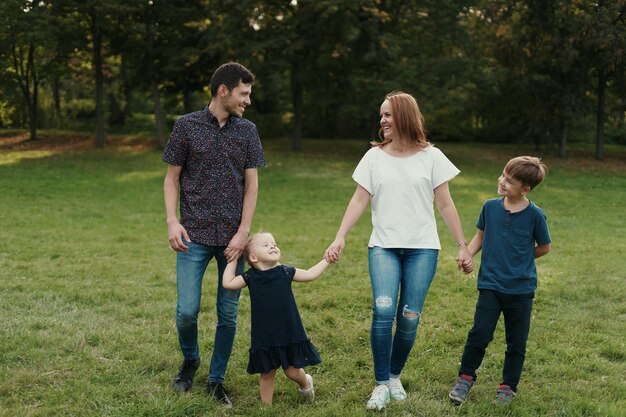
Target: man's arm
238,242
171,190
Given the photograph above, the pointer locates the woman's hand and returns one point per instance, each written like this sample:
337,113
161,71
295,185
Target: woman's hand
464,260
333,253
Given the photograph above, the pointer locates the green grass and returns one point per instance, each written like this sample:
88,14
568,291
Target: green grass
87,290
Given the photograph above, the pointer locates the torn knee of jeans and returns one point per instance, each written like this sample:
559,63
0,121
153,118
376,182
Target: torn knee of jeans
409,314
383,301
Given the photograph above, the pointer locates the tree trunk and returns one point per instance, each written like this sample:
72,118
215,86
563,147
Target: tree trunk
97,60
25,73
621,100
600,114
56,94
158,113
296,97
186,97
563,144
126,86
33,109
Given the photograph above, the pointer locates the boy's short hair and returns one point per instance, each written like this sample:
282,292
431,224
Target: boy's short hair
528,170
230,74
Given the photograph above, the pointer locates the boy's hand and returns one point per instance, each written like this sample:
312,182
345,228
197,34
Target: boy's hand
467,265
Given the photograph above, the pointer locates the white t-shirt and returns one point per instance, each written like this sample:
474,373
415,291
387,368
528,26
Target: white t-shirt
402,190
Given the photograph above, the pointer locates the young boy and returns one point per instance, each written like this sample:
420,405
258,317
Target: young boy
512,233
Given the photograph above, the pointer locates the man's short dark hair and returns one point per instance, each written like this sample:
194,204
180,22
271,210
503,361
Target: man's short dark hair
230,74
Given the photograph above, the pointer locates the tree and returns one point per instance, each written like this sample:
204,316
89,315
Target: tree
603,43
25,35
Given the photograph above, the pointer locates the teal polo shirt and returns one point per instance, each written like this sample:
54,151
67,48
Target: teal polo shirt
508,252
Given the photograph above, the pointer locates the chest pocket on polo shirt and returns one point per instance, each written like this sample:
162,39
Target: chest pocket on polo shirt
522,240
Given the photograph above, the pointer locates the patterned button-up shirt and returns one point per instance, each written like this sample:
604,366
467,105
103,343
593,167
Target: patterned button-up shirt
213,161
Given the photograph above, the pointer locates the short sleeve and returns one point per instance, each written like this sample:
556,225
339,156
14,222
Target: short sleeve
443,169
290,271
480,223
254,157
542,234
246,277
363,172
177,147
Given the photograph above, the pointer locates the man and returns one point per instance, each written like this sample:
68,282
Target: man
212,158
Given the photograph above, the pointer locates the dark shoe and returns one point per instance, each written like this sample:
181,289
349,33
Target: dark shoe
216,389
461,389
184,378
504,395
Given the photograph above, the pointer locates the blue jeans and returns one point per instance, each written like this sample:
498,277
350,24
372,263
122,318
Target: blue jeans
517,310
407,272
190,268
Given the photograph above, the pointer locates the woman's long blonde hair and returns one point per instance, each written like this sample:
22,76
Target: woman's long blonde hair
408,121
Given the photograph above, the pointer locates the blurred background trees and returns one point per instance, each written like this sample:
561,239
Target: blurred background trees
548,72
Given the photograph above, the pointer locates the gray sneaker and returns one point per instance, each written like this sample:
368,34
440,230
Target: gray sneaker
504,395
461,389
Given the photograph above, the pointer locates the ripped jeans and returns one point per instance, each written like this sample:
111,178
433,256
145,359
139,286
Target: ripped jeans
393,271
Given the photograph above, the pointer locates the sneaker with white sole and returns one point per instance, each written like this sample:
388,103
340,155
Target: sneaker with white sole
396,390
461,389
379,398
308,393
504,395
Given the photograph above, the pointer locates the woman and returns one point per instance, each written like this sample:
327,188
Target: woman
401,176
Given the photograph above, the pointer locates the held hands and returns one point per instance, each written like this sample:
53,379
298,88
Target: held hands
333,253
464,260
236,246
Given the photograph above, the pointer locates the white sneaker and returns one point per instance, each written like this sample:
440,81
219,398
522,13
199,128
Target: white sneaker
379,398
396,390
308,393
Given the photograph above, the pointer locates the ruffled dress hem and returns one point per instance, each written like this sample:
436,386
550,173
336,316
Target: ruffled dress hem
296,354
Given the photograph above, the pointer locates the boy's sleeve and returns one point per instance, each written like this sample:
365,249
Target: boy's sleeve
480,223
542,234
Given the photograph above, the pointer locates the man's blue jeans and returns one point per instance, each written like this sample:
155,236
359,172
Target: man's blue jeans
190,269
407,272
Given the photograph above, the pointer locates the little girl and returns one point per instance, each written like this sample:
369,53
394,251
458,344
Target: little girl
278,338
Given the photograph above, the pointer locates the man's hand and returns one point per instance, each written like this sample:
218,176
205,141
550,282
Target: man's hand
236,246
175,234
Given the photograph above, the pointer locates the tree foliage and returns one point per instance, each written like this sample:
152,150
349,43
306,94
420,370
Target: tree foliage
544,71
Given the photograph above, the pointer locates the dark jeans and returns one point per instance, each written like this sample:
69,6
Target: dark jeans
517,310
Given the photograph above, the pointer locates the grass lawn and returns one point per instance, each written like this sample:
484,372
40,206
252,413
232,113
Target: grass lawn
87,287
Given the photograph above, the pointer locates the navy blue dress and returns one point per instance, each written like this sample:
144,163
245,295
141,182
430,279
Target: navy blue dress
278,339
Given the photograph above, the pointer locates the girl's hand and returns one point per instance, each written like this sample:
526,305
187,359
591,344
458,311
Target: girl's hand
333,253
